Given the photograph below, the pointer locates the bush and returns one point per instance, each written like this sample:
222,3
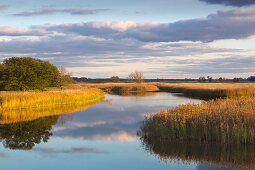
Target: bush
115,79
26,73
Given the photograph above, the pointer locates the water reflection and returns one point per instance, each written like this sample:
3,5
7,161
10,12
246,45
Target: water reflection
134,93
117,118
18,115
105,133
209,156
24,135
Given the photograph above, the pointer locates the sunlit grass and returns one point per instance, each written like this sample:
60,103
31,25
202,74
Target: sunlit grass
21,106
124,87
20,115
210,90
230,120
14,100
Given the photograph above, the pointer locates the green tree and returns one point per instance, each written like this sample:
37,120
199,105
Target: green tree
251,78
115,79
26,73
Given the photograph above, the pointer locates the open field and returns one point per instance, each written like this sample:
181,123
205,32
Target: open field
124,87
225,121
209,90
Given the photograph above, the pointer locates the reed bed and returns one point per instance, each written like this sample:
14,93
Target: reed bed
17,100
230,120
124,87
28,114
24,106
209,90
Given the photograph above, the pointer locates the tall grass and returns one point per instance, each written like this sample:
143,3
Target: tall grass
124,87
28,114
23,106
210,90
15,100
225,121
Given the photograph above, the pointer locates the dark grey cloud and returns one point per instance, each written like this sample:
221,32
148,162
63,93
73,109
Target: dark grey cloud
225,24
238,3
51,151
121,43
3,7
51,11
78,51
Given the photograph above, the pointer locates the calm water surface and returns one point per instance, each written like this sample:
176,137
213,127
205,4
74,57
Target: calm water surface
102,137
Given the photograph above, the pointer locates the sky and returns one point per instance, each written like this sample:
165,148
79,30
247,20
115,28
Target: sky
161,38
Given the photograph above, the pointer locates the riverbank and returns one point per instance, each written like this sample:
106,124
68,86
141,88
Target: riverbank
123,87
22,106
209,90
224,121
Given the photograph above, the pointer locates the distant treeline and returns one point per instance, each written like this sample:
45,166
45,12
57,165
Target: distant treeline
105,80
236,79
201,79
26,73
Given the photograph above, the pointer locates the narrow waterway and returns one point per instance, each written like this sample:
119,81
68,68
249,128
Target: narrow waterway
102,137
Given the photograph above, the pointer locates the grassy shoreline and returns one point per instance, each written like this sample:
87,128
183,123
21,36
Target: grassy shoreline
124,87
23,106
17,100
209,90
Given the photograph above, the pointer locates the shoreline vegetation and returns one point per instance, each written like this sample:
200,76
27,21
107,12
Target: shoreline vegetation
209,90
122,88
224,121
22,106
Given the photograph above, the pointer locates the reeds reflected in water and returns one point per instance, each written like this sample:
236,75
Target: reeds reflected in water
207,154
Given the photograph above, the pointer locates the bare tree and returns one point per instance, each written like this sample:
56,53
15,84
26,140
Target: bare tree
65,76
136,77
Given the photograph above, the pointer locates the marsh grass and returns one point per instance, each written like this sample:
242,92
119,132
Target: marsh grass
22,106
28,114
17,100
230,120
124,87
210,90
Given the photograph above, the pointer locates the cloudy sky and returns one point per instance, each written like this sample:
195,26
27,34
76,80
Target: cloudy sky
162,38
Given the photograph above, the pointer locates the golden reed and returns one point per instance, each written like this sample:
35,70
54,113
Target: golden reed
21,106
230,120
209,90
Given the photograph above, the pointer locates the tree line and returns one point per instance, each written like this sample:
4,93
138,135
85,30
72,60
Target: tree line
220,79
26,73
